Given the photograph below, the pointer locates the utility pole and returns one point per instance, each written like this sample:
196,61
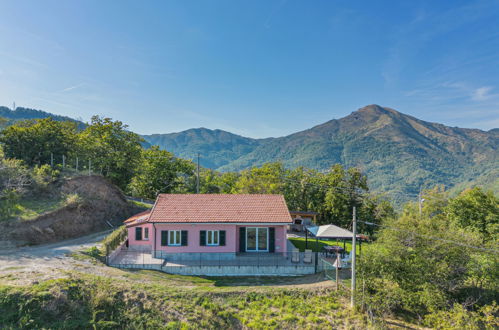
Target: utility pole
197,177
89,167
51,159
354,243
76,163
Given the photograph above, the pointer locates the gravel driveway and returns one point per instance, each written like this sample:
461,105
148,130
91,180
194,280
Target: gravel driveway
36,263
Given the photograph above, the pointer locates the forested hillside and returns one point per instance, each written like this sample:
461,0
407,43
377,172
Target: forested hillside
217,147
21,113
398,153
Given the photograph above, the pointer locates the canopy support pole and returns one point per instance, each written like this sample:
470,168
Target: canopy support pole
306,238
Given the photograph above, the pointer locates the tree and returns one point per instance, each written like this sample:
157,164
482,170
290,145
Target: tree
374,210
421,265
213,182
159,172
303,189
477,210
113,150
344,190
267,179
36,141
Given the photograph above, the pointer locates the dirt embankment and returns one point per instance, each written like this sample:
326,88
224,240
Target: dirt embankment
97,203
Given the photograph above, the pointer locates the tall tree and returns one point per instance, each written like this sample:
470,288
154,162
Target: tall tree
267,179
477,210
213,182
113,150
36,141
159,172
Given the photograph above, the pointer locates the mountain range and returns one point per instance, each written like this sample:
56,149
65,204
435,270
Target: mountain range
399,153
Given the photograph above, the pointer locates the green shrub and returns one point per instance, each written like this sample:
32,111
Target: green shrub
45,174
113,240
458,317
73,199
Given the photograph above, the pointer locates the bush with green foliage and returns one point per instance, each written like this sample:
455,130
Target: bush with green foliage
14,181
43,176
423,265
113,240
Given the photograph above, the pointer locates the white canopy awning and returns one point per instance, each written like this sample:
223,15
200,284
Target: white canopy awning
330,231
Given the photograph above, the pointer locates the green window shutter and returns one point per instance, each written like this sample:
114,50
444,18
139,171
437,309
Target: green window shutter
242,239
164,238
202,238
271,239
184,238
222,237
138,233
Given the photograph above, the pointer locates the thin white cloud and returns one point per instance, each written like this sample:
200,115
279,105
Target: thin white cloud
481,93
70,88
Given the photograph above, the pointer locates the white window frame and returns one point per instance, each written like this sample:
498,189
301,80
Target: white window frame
145,234
177,237
213,234
256,241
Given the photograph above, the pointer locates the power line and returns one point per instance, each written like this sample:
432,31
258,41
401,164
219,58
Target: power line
432,237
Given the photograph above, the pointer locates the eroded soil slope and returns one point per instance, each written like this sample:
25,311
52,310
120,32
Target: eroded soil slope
96,204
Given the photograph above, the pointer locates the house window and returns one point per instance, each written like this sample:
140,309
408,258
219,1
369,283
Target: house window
138,233
146,234
257,239
174,237
212,237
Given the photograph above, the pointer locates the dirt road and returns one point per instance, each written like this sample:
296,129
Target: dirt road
36,263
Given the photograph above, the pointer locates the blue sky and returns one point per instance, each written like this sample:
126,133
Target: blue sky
256,68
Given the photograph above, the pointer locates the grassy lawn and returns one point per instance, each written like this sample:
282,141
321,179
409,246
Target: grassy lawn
299,243
148,299
30,208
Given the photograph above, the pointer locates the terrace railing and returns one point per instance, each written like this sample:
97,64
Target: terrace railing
160,259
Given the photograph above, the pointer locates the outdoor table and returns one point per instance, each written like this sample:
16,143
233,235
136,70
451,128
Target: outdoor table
333,249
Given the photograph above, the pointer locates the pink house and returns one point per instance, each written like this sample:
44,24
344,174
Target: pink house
211,225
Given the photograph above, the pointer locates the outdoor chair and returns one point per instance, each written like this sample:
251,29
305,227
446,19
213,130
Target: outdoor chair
307,258
295,256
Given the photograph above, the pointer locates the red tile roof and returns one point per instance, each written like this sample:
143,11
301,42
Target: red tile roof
137,218
220,208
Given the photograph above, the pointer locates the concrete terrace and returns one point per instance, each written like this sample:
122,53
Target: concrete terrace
241,264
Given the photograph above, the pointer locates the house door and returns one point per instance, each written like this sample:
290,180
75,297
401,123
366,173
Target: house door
257,239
